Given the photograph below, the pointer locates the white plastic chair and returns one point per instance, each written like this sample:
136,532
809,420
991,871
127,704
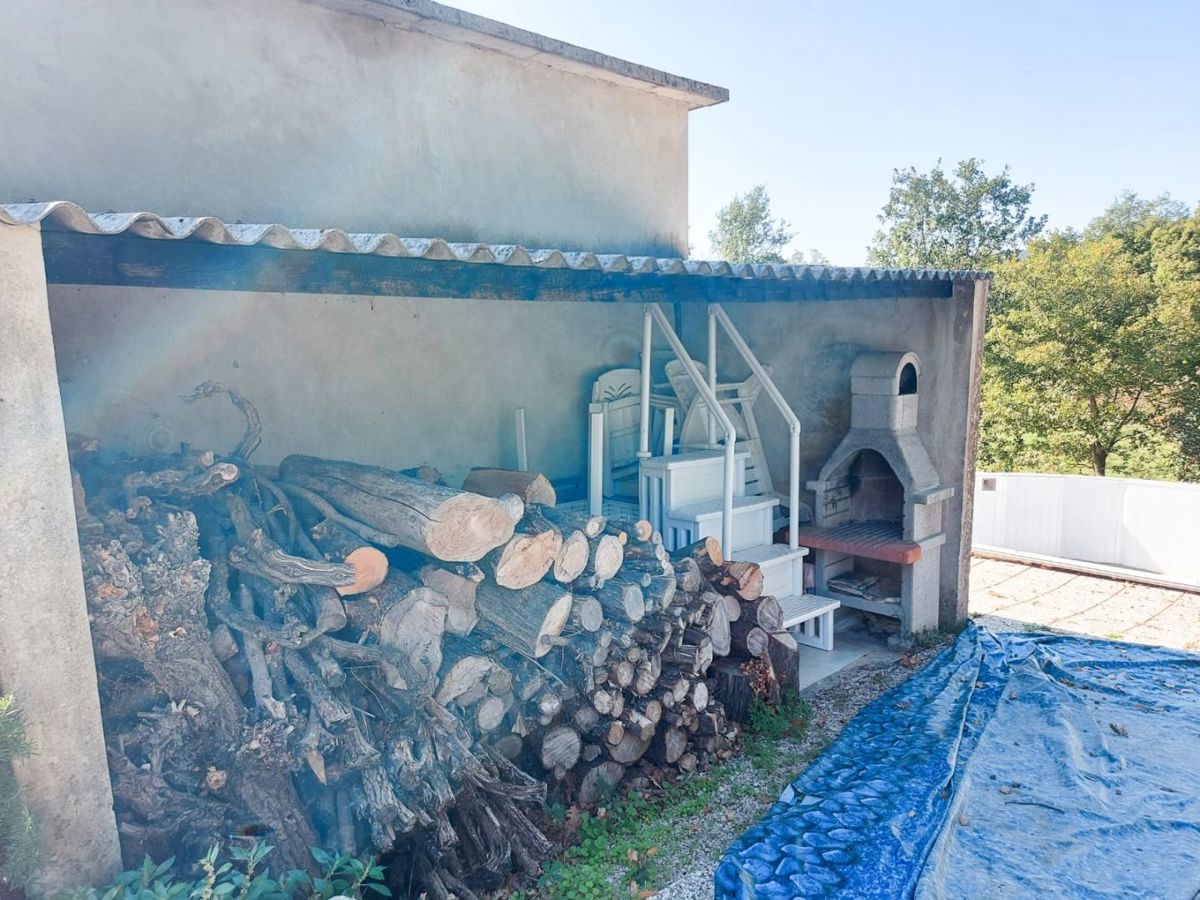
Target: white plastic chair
616,394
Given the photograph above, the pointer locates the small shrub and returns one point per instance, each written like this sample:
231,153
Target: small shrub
242,876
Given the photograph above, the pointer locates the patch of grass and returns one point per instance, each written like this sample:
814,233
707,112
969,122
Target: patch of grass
618,848
771,725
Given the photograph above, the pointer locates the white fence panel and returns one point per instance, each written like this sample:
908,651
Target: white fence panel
1149,525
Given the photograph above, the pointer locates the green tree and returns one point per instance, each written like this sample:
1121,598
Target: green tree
963,220
1086,353
746,232
814,258
1129,214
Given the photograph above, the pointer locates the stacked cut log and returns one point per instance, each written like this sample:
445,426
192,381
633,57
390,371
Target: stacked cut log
336,654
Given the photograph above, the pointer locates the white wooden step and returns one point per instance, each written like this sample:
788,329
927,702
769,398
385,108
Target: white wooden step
698,476
810,619
753,518
782,567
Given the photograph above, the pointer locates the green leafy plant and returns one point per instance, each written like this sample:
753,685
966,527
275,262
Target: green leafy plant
239,874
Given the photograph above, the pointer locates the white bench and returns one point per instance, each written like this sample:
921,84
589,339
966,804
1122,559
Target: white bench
812,617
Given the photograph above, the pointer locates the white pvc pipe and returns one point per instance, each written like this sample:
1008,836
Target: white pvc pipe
595,464
712,373
647,341
794,491
522,448
668,430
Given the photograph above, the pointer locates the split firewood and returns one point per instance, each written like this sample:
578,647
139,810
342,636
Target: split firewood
531,487
742,579
459,592
706,553
523,560
606,557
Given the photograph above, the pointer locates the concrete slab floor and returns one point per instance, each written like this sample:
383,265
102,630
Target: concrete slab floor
1010,595
852,646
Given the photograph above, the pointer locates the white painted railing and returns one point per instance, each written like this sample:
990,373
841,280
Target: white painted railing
717,315
1135,524
652,315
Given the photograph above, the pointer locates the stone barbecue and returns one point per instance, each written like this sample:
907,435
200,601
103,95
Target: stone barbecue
877,517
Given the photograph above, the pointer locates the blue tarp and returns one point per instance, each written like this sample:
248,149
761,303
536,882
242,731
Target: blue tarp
1013,765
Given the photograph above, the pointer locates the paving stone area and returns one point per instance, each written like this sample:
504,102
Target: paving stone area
1014,595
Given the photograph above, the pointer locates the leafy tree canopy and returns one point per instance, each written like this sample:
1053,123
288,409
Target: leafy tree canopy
965,219
746,232
1088,352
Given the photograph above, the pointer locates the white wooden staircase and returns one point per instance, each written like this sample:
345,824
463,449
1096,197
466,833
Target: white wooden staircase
702,492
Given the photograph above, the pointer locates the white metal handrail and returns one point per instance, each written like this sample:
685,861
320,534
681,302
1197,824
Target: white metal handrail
653,315
715,315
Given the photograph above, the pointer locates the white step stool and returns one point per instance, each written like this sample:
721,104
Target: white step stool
684,479
753,521
812,617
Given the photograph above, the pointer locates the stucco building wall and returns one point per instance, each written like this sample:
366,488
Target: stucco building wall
279,111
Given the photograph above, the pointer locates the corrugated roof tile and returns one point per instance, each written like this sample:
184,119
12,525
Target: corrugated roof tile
66,216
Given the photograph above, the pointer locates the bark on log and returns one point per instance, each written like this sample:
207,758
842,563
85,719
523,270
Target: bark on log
784,653
339,544
600,782
526,620
748,639
622,601
706,553
531,487
742,579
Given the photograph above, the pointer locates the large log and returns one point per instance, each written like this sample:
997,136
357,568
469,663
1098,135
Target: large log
526,621
438,521
531,487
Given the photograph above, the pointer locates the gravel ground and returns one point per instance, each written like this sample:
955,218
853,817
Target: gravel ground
745,792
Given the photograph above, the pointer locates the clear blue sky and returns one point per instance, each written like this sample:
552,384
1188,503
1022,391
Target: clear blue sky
1084,99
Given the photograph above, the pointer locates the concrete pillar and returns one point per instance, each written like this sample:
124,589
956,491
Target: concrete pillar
971,298
45,645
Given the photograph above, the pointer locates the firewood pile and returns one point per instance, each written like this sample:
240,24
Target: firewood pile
332,654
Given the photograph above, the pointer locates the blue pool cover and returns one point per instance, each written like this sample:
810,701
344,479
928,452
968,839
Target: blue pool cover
1013,765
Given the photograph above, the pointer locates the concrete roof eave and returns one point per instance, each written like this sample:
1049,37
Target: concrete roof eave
458,25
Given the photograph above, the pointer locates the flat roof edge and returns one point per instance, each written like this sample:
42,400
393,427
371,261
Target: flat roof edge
451,23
